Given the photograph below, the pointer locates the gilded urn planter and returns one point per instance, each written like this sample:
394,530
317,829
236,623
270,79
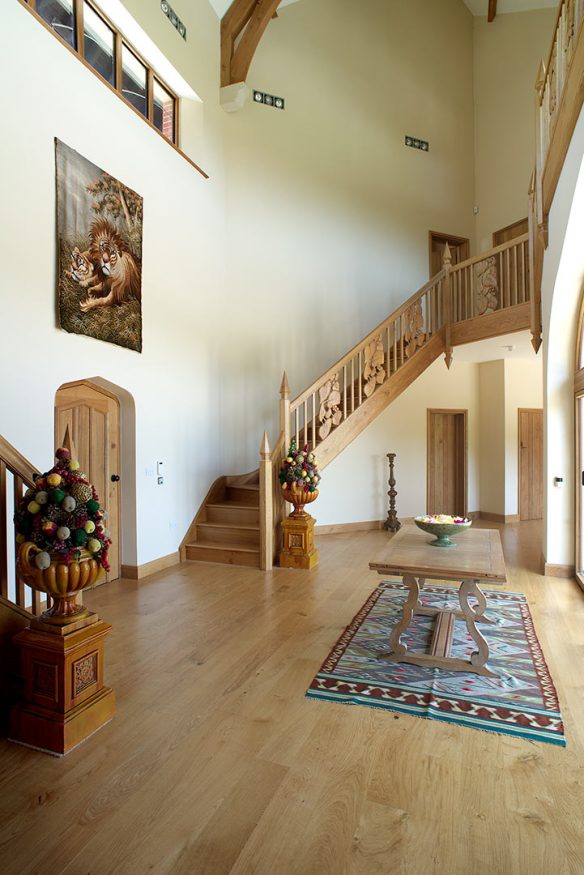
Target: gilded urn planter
299,498
62,581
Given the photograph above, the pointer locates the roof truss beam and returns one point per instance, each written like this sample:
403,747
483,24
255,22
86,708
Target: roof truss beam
242,28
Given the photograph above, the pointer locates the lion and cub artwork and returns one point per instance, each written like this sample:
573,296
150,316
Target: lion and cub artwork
99,229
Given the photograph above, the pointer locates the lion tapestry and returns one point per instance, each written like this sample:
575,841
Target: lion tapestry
99,231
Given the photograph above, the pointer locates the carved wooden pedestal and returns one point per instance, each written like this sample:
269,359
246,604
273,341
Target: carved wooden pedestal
65,699
298,550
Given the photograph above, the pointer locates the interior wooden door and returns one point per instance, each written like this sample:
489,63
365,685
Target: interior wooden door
530,464
459,250
93,418
447,477
510,232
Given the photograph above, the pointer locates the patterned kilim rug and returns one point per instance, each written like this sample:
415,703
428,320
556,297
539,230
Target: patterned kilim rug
520,701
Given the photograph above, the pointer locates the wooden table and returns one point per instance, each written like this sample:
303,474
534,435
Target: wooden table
477,558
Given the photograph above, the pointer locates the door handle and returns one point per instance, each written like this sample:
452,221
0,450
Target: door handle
114,478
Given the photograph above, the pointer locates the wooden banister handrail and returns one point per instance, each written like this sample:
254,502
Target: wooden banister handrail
16,462
495,250
22,471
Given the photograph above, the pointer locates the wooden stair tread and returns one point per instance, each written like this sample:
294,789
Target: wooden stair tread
235,505
239,548
213,524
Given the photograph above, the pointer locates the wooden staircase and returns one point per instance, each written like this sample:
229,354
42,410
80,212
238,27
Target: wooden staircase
227,527
484,296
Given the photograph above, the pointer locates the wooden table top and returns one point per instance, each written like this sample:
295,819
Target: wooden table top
478,555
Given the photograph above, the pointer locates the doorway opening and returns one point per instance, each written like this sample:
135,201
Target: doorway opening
447,462
530,464
100,418
459,249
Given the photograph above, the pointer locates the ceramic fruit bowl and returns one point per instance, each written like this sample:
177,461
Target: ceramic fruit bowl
442,526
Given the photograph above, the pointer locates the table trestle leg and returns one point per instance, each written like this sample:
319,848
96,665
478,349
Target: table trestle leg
415,585
472,615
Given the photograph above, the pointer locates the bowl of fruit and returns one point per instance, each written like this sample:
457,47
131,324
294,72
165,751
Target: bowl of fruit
442,525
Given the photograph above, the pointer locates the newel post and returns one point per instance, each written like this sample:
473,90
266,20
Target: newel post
285,411
447,267
266,507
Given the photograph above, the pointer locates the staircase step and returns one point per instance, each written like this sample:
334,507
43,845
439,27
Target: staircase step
249,495
233,555
228,534
233,513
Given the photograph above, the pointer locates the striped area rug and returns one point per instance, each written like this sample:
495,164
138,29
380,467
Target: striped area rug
521,701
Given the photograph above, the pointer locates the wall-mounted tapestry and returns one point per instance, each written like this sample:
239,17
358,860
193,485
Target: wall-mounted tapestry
99,232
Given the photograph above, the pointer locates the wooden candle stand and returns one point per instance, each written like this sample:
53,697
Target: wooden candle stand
65,700
298,550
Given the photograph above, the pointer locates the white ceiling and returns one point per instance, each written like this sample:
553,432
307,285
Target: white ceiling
221,6
480,7
497,348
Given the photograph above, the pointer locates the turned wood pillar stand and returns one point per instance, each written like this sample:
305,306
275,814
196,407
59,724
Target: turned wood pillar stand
392,524
65,700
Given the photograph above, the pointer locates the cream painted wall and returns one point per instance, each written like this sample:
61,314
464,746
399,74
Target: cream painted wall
507,53
523,388
311,228
562,285
354,485
492,436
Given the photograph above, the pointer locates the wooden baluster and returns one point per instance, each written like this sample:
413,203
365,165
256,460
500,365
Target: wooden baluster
3,534
36,602
516,264
266,507
387,352
353,384
472,294
426,316
360,391
285,410
296,435
394,346
446,264
20,587
314,415
344,391
306,422
401,340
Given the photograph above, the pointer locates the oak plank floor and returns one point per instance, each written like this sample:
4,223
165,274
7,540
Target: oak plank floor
216,763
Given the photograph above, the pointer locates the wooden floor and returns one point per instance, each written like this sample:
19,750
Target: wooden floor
216,763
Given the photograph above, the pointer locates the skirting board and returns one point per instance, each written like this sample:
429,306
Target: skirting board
551,570
137,572
499,517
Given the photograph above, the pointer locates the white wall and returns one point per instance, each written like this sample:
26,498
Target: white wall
507,54
354,486
562,282
523,388
492,436
311,228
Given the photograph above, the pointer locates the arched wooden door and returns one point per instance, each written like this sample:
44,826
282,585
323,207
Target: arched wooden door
93,417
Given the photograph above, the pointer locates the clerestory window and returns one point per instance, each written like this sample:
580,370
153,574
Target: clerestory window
83,27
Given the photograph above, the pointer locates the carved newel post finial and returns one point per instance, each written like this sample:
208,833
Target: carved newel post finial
392,524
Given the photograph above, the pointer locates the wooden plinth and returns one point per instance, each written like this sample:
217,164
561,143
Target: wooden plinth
65,700
298,550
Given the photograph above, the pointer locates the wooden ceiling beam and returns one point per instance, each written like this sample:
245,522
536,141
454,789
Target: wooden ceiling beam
492,10
250,19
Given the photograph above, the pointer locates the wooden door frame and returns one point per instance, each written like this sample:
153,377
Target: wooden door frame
88,383
521,410
579,460
464,412
447,238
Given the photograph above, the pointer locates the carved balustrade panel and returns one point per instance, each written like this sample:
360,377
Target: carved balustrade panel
488,295
374,370
329,414
414,334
